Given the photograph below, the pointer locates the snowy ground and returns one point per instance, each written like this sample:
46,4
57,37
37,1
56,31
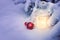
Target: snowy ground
12,18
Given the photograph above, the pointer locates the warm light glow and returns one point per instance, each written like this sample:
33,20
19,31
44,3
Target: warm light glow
41,20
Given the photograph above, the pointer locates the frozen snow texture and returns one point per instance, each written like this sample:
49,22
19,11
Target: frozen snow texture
28,2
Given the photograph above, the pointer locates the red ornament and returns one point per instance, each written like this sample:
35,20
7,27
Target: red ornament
29,25
25,23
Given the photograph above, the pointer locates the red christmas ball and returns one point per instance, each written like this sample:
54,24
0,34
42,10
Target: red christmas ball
25,23
29,25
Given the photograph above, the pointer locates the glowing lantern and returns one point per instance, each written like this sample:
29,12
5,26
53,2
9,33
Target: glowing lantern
40,19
